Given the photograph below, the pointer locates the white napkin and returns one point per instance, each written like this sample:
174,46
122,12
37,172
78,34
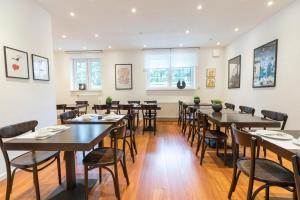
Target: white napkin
43,133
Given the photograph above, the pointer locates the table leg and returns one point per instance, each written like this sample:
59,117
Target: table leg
70,169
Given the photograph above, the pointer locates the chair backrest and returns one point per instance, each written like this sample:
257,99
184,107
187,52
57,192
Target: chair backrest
13,131
296,169
229,106
151,102
148,107
115,102
246,109
134,102
277,116
61,107
202,122
101,107
117,133
81,102
68,115
125,107
180,110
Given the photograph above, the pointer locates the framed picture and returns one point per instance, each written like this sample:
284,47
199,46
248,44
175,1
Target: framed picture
123,76
210,82
40,68
211,77
211,72
264,65
16,63
234,72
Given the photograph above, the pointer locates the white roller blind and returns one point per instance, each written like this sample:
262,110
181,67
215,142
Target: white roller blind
168,58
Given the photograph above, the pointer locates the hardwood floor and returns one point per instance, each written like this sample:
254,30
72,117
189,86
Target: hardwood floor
166,168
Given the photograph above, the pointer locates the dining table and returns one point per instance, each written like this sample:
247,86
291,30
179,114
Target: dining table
75,106
78,137
96,119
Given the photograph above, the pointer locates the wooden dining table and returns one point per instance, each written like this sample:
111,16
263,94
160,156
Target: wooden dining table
75,106
79,137
97,119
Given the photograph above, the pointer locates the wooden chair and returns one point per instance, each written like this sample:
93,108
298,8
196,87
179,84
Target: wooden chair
150,102
266,171
68,115
104,157
136,111
82,112
185,118
114,106
32,161
229,106
296,169
130,133
192,123
180,112
149,115
276,116
102,107
61,107
248,110
208,134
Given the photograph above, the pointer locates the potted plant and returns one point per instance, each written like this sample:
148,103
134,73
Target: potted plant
108,101
197,100
216,105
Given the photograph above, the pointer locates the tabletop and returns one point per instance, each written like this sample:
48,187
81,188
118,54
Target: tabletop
79,137
75,106
95,119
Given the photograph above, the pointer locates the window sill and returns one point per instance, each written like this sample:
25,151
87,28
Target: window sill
169,89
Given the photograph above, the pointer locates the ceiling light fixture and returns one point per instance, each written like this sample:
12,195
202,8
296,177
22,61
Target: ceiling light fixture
236,29
145,46
64,36
133,10
96,35
59,49
270,3
187,32
199,7
72,14
109,47
218,43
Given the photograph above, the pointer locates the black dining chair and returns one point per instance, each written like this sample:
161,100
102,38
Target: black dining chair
114,106
136,111
296,169
82,112
104,157
276,116
127,109
150,102
149,116
61,107
205,134
229,106
192,123
32,161
180,112
263,170
102,108
68,115
247,110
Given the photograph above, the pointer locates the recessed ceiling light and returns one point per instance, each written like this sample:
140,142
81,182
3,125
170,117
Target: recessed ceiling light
218,43
133,10
109,47
84,48
64,36
72,14
145,46
236,29
187,32
199,7
270,3
180,44
96,35
59,49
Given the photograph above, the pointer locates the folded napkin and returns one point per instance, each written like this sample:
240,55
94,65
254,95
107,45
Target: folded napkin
44,133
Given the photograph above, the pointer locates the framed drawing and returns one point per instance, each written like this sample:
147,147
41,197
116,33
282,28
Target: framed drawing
40,68
264,65
211,77
123,76
16,63
234,72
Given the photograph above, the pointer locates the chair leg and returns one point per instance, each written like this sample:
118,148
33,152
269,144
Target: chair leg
9,183
244,151
36,182
134,143
100,175
279,159
86,182
144,126
267,190
203,148
138,119
193,135
235,178
131,149
225,152
198,144
83,154
265,152
155,126
58,168
124,168
116,182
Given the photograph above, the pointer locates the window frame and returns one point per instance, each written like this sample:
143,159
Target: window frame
88,76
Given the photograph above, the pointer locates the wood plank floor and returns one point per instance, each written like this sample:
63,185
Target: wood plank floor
166,168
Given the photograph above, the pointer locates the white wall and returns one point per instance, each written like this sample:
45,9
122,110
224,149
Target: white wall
167,99
25,26
285,97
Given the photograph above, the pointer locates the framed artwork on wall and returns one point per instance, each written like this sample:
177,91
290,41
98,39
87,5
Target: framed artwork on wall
40,68
16,63
211,77
123,76
234,72
264,65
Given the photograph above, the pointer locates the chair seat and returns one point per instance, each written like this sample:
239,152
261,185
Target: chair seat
214,135
102,156
268,171
30,158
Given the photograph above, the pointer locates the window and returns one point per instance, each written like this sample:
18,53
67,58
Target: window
166,67
86,71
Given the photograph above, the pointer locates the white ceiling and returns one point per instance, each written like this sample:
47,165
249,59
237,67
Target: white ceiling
156,23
